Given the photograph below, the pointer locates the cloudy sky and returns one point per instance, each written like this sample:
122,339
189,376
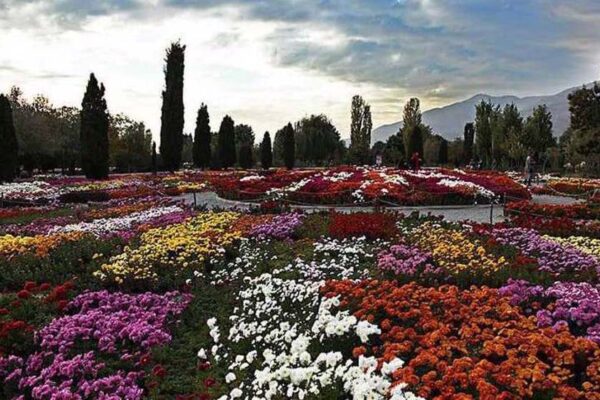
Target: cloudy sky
269,62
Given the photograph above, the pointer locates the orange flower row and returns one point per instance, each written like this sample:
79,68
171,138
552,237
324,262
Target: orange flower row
470,344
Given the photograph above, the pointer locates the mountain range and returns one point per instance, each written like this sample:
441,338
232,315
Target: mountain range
449,121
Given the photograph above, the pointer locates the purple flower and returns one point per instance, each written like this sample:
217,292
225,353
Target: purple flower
280,227
403,259
109,323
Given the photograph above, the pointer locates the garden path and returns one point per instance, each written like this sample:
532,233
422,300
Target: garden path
476,213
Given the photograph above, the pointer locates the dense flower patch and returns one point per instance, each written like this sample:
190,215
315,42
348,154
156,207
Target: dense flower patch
147,297
115,328
363,185
470,343
569,186
576,211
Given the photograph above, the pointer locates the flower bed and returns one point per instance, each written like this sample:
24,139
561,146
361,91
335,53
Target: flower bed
149,298
362,185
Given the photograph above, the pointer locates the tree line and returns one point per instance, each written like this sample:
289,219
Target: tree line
38,136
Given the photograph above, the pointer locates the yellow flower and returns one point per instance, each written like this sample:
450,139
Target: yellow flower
175,247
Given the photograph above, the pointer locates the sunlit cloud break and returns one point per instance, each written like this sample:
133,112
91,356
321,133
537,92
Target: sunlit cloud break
267,63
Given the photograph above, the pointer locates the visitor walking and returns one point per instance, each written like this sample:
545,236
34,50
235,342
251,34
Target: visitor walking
529,166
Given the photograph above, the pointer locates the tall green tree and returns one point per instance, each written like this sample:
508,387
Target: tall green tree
581,142
538,130
94,131
289,146
584,106
317,140
360,131
10,149
266,154
171,130
130,144
484,117
413,130
393,153
226,143
202,137
443,152
468,137
246,156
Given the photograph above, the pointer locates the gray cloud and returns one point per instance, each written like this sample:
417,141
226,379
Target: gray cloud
441,49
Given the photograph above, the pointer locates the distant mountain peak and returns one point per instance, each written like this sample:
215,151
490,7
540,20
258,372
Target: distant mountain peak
449,120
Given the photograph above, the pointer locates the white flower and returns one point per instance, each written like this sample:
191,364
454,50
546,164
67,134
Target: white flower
230,377
364,329
202,354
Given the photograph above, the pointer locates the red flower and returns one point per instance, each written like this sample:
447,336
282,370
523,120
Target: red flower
44,286
203,366
159,371
4,311
29,286
23,294
61,305
209,382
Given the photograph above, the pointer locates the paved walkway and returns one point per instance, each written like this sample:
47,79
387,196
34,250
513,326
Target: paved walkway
476,213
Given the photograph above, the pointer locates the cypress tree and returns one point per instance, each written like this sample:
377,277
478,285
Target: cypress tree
202,137
266,152
8,138
469,136
171,129
226,142
94,131
289,146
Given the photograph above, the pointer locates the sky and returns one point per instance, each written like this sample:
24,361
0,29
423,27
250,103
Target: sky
266,63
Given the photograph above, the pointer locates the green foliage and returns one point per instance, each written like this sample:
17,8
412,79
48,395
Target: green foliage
130,142
94,131
581,142
317,140
414,132
171,130
394,151
469,136
413,141
289,146
246,158
70,260
266,154
484,119
360,131
443,152
8,138
226,143
538,130
244,145
48,136
202,137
